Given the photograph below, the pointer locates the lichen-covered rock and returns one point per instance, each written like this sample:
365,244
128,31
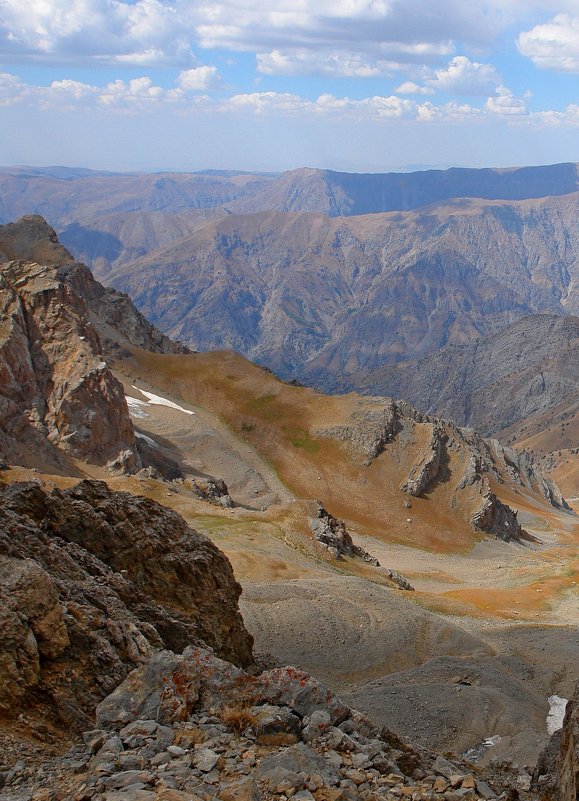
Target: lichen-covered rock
165,689
92,582
296,689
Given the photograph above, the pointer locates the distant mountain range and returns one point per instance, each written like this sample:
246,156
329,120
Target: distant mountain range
320,298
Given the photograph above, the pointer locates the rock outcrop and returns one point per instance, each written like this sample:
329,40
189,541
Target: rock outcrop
92,582
333,533
381,426
556,775
568,765
427,470
374,424
114,314
58,328
56,390
496,518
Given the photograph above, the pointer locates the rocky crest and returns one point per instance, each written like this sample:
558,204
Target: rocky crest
56,390
427,470
92,583
58,327
376,424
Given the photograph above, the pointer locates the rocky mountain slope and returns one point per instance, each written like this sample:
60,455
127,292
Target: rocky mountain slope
521,384
319,298
66,194
341,194
492,382
190,727
110,219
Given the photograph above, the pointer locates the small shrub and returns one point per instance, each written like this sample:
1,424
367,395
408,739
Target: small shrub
238,717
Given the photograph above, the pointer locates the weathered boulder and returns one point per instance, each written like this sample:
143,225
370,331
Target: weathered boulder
276,725
296,689
170,686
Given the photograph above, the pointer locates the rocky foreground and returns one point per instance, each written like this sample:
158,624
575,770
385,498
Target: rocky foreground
193,727
92,582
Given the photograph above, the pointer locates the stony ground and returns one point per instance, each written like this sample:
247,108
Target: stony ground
288,737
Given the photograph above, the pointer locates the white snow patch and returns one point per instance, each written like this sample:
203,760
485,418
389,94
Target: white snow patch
157,400
134,405
556,713
494,740
147,439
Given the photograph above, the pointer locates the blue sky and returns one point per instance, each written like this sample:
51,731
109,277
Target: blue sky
365,85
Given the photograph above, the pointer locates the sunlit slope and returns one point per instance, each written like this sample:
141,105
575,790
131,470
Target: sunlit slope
328,447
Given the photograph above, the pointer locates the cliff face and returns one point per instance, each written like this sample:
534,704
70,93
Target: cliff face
55,387
58,328
91,583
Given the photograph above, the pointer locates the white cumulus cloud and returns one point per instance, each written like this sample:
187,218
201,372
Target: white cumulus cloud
553,45
411,88
359,37
336,63
200,79
506,104
141,32
465,77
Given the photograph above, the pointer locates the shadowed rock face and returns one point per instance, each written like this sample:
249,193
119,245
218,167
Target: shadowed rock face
568,766
91,583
